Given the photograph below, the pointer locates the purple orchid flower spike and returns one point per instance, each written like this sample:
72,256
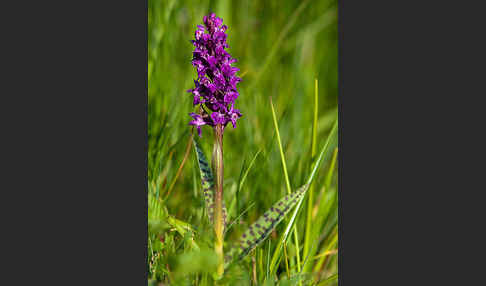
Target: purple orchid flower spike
215,87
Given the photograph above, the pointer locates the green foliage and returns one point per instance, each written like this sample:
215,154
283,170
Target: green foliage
281,47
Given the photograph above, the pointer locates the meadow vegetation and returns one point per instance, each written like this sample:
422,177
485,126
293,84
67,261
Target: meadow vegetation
287,56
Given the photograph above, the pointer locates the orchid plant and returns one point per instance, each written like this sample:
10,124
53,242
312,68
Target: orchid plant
215,93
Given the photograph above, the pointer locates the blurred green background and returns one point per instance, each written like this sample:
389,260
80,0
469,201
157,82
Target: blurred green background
281,47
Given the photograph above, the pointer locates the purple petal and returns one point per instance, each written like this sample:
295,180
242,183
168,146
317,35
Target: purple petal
218,118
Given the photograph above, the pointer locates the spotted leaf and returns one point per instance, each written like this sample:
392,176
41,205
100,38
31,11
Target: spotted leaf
264,225
207,182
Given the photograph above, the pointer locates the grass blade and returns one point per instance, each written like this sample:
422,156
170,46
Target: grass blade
327,182
287,182
238,217
330,143
310,199
248,169
181,166
322,208
241,181
332,278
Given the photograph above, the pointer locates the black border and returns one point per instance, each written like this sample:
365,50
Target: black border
80,143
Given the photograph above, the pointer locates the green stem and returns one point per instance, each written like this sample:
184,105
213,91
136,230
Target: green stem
218,201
